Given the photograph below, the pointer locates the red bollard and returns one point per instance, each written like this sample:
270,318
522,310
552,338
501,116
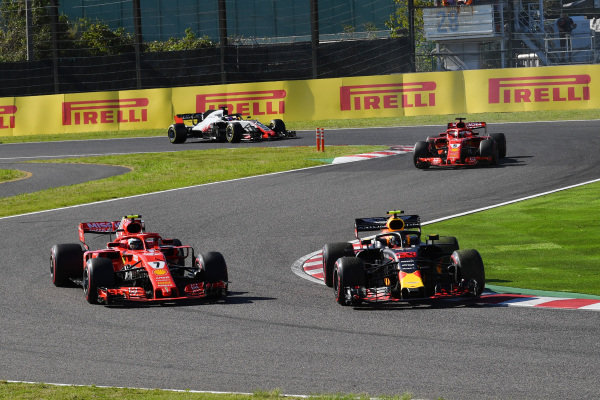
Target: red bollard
320,139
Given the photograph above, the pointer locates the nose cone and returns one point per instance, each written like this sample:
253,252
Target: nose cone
410,280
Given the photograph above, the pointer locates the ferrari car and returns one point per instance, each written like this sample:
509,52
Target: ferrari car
136,266
397,265
220,126
460,145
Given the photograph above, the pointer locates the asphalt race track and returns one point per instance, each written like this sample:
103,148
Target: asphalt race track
277,330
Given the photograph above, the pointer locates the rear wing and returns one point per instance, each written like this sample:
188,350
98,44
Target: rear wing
394,222
468,125
129,224
180,118
102,228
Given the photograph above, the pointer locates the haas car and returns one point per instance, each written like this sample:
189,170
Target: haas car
137,266
397,265
220,126
460,145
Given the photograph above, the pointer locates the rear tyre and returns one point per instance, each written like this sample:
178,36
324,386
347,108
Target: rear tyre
98,272
500,140
233,133
348,272
470,269
421,150
488,148
331,252
446,244
66,263
177,133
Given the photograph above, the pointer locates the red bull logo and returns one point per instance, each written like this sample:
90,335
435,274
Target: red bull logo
7,117
534,89
262,102
387,95
94,112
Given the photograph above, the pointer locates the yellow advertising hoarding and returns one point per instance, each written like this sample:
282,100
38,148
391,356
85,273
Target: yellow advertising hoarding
533,89
8,111
458,92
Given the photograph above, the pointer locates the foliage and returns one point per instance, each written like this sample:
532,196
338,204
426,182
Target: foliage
97,39
13,31
81,38
398,23
189,42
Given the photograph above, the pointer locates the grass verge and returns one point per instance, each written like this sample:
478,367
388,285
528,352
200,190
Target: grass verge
7,175
35,391
162,171
547,243
555,115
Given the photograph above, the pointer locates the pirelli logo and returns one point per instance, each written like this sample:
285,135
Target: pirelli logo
94,112
387,95
535,89
262,102
7,117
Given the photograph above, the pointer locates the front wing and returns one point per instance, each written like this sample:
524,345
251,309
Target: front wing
135,294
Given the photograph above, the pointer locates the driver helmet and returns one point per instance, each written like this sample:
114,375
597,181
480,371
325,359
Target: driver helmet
135,244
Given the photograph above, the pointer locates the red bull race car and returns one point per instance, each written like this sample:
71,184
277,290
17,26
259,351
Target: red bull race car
460,145
220,126
397,265
136,266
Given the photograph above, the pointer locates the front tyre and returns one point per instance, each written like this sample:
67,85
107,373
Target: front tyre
233,133
213,270
66,262
421,150
470,270
331,252
500,140
98,273
488,148
349,272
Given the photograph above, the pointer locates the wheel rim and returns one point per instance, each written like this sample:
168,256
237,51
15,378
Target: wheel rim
86,281
171,134
52,269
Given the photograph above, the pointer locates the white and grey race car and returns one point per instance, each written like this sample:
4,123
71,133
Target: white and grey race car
220,126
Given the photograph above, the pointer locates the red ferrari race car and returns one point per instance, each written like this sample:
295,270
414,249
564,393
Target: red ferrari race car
397,265
137,266
218,125
460,145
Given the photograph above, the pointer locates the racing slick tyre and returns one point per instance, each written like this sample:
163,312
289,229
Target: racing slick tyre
66,262
421,150
179,253
213,270
233,133
470,269
331,252
348,272
488,148
277,125
446,244
177,133
500,140
98,272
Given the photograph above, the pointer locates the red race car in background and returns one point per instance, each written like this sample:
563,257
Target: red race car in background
137,266
460,145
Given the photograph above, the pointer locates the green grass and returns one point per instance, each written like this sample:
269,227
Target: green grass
36,391
548,243
338,123
153,172
11,175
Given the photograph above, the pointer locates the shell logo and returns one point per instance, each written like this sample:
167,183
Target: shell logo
160,271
